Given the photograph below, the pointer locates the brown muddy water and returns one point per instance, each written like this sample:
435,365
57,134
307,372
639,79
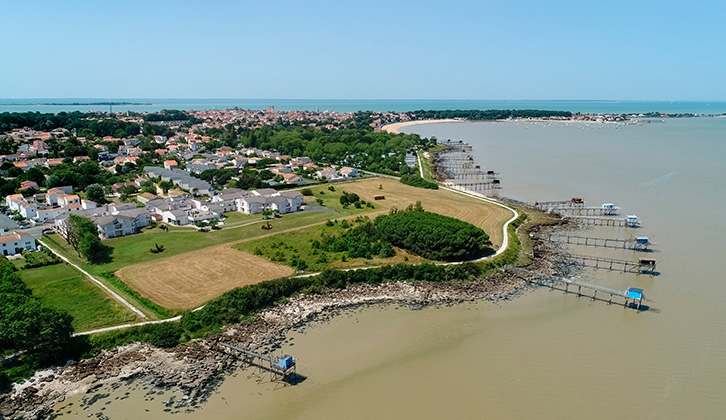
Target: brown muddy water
544,355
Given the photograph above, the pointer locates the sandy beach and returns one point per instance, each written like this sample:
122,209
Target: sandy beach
394,128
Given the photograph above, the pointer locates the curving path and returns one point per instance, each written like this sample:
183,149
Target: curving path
471,194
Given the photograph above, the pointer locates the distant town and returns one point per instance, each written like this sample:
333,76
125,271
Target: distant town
126,169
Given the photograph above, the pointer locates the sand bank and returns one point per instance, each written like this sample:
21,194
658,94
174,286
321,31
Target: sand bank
395,127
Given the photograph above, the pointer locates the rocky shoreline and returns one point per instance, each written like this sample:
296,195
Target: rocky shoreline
196,368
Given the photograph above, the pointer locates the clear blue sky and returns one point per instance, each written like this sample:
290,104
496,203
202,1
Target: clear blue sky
627,50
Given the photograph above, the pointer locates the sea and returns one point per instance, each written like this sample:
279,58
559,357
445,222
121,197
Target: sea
54,105
545,354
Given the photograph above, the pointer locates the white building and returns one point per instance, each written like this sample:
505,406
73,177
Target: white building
13,243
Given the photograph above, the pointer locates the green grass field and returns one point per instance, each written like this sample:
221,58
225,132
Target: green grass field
134,249
235,218
63,287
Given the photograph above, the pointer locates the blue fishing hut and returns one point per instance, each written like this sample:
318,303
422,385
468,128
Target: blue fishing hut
285,362
635,294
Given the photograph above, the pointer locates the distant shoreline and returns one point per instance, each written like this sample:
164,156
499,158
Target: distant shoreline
76,103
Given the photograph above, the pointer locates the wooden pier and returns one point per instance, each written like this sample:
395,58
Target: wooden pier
461,171
605,221
640,243
642,266
281,367
631,296
573,202
584,211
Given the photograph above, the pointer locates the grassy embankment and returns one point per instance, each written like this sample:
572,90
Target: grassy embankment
63,287
427,166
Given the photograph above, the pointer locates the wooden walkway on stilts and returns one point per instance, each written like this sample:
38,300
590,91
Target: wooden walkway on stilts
642,266
584,211
632,297
603,221
281,367
635,244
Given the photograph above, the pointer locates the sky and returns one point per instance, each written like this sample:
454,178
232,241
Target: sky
516,50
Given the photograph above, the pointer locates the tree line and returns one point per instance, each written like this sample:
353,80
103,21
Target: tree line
86,124
417,181
28,325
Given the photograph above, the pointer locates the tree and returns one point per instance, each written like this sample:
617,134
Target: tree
94,192
25,322
82,234
91,248
166,186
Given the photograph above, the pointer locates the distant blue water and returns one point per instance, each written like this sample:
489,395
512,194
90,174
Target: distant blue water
348,105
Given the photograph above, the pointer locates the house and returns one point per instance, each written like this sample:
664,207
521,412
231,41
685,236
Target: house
171,164
25,185
68,199
268,199
300,161
114,226
180,178
111,221
17,202
327,173
348,172
13,243
144,198
175,217
52,195
50,163
124,160
293,179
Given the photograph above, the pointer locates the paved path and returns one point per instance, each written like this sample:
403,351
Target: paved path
97,282
420,167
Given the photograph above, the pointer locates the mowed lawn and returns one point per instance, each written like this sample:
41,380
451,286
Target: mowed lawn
63,287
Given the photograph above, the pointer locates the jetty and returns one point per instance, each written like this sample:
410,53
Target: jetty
573,202
631,221
632,297
642,266
281,367
584,211
639,243
459,170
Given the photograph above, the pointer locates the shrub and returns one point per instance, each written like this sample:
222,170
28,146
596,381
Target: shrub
306,192
432,235
417,181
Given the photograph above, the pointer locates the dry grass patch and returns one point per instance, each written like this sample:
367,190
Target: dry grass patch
188,280
487,216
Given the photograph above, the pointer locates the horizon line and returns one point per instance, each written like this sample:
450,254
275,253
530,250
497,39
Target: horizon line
367,99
